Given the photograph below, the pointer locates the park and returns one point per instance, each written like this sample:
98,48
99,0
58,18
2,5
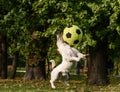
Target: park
28,30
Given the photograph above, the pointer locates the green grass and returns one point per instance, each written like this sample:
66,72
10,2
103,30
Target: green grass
77,84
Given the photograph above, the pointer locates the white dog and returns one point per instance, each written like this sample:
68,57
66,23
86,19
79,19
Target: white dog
69,55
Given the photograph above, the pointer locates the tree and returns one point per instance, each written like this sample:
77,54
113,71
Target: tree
14,58
101,34
21,20
3,56
3,45
36,61
32,27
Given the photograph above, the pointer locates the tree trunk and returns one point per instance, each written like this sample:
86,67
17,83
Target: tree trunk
14,65
78,68
35,71
117,70
97,66
35,67
3,56
0,61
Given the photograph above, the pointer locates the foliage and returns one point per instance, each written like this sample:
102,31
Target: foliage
20,19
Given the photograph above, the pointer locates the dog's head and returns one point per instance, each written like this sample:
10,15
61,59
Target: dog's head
60,44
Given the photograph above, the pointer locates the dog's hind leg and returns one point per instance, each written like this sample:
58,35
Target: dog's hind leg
65,77
54,77
52,84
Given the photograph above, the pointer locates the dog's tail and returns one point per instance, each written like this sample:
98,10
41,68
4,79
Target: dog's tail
53,63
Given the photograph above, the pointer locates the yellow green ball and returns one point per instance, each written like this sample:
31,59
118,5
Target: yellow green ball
72,35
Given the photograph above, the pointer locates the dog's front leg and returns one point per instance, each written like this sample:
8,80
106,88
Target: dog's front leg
80,55
74,59
77,58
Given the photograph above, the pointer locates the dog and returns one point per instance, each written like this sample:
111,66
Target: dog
69,56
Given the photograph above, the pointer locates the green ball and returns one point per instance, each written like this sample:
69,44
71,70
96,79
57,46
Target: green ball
72,35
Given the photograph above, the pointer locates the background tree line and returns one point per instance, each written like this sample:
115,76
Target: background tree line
28,33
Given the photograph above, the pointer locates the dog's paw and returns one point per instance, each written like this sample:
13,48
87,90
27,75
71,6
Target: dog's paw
67,84
52,84
53,87
80,55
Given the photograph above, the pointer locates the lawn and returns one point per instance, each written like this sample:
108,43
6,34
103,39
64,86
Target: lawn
77,84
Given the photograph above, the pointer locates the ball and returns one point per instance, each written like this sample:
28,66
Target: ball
72,35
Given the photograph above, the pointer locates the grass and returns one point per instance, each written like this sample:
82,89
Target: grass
77,84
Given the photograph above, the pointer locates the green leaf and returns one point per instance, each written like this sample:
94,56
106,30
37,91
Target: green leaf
118,29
